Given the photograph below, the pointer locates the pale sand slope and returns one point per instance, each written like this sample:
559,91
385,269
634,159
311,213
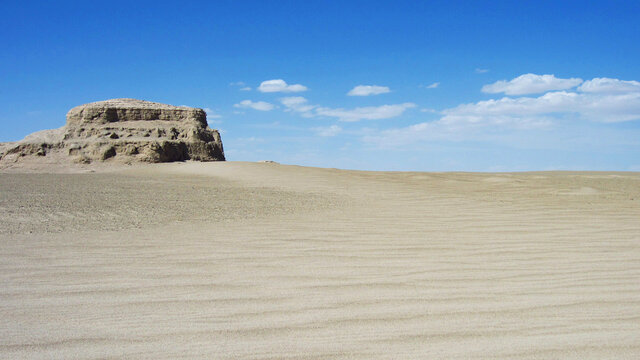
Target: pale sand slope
265,261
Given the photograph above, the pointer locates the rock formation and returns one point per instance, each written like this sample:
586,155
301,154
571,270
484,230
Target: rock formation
126,130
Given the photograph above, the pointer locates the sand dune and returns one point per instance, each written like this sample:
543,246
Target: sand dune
265,261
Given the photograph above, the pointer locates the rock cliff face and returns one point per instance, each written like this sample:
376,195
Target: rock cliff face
125,130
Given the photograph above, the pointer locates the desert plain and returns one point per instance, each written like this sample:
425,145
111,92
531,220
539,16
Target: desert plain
238,260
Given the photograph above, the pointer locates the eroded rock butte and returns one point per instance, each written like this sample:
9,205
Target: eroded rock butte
125,130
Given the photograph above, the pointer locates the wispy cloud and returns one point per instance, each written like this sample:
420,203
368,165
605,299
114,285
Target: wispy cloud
301,105
257,105
531,84
365,113
607,85
366,90
279,85
433,86
332,130
481,71
240,84
297,104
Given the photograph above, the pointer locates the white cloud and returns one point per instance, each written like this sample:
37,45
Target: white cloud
489,120
258,105
279,85
365,113
607,85
531,84
481,71
246,88
592,107
293,101
332,130
434,85
297,104
366,90
301,105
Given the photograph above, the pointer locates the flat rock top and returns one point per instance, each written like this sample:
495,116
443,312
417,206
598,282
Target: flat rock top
119,110
132,104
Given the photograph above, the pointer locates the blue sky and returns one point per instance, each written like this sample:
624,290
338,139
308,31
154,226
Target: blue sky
377,85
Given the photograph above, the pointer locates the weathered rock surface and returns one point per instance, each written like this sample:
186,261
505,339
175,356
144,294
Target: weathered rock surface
124,130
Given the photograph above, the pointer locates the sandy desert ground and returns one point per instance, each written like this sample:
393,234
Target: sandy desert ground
265,261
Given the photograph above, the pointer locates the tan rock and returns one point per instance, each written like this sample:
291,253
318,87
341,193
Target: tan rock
125,130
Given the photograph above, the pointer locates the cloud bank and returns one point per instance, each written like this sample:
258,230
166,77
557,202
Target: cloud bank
548,119
600,100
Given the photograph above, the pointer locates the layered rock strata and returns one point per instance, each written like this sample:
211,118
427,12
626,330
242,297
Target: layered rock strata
125,130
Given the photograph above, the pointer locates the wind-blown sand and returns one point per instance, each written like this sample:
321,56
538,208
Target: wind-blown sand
265,261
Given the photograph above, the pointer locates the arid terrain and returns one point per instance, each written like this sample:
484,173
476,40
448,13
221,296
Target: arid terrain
232,260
